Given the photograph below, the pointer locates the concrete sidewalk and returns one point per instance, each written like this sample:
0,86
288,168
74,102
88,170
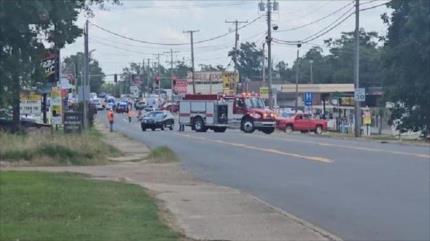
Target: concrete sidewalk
200,210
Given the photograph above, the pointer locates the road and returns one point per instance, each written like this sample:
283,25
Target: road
358,190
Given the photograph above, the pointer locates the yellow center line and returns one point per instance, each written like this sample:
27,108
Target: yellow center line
349,147
256,148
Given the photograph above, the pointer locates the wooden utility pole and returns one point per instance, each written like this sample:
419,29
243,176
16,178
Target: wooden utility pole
191,32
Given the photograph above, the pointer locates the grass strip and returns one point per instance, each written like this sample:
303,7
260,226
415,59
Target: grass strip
56,149
63,206
162,154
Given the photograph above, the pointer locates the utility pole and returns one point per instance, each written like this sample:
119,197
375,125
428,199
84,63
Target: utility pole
191,32
269,50
270,7
264,63
85,79
311,62
297,76
171,70
158,76
236,41
357,126
149,75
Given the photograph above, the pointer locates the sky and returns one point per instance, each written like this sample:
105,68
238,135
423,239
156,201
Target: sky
165,21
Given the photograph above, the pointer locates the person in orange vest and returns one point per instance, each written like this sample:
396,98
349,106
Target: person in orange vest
110,119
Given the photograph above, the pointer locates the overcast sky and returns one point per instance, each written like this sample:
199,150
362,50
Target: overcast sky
165,21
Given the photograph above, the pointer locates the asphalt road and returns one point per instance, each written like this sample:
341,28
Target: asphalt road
358,190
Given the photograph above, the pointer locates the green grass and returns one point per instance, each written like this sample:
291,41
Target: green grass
63,206
55,149
162,154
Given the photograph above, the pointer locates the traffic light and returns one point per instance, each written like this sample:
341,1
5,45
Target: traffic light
115,78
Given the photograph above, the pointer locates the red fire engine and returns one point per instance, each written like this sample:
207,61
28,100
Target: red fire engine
218,112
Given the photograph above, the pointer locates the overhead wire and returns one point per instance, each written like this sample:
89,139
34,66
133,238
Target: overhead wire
326,29
316,20
173,44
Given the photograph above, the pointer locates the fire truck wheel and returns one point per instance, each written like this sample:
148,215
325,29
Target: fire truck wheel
247,125
199,125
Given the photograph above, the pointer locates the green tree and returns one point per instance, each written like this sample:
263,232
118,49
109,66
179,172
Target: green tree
406,61
249,61
25,28
208,67
74,65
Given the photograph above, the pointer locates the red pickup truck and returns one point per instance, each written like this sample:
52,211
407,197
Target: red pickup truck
301,122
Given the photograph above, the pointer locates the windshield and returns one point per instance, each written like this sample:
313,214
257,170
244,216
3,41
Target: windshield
155,114
254,102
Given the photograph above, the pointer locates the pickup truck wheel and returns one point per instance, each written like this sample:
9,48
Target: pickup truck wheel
162,127
199,125
318,130
247,125
289,129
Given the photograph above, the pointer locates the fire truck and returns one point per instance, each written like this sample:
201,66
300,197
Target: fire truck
246,112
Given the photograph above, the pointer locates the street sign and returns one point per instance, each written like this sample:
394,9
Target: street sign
307,98
360,95
264,92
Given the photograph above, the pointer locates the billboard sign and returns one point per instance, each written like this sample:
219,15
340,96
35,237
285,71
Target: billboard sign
51,66
180,86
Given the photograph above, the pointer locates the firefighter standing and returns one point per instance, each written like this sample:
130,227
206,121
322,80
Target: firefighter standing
110,119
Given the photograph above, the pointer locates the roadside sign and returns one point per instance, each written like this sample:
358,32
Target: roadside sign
264,92
360,95
56,106
72,122
30,104
367,118
307,98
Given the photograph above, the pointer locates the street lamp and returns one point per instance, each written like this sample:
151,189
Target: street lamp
312,77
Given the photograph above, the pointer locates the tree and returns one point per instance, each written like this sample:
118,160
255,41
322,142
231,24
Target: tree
249,61
25,28
338,65
406,62
208,67
74,65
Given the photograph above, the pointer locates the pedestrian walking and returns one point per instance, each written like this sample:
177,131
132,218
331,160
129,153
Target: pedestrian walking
110,119
130,114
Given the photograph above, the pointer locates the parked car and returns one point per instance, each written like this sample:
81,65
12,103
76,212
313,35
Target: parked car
301,122
98,103
139,105
122,107
157,120
172,107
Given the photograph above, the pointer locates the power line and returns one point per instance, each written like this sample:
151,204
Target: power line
326,29
171,44
317,20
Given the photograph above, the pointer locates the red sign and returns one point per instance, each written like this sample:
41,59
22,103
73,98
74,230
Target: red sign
181,86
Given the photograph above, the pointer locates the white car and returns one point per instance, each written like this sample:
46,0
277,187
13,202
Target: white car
98,103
